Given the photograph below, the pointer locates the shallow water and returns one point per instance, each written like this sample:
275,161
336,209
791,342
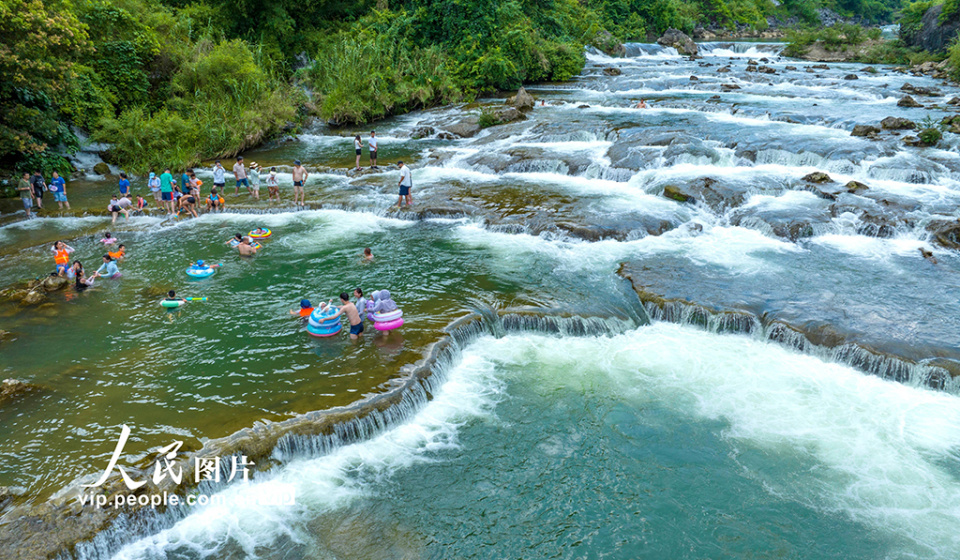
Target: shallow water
663,441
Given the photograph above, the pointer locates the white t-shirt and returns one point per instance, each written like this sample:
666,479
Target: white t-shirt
218,177
406,179
124,202
373,142
357,144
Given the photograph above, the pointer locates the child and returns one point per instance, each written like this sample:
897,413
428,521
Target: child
172,296
108,239
141,205
235,240
381,303
272,185
367,254
74,271
259,231
213,200
61,256
118,254
201,264
116,209
305,309
254,176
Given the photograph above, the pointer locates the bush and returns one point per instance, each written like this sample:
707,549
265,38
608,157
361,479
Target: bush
930,136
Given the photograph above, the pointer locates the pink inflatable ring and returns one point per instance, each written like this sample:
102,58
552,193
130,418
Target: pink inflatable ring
388,325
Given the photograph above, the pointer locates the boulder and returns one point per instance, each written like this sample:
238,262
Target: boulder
854,187
694,79
466,128
606,42
612,71
54,283
817,177
917,90
912,141
851,77
680,41
723,70
766,70
934,33
820,67
865,130
954,101
507,114
446,136
729,87
584,106
423,132
897,123
946,233
790,68
33,297
522,100
101,169
675,193
12,388
869,70
907,101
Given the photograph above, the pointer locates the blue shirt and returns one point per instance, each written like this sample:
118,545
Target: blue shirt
124,186
184,181
110,268
57,185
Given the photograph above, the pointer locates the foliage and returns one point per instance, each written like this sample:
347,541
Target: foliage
930,136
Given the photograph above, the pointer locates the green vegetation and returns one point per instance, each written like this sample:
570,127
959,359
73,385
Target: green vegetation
171,82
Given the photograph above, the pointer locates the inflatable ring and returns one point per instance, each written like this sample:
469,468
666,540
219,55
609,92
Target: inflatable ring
387,317
171,303
260,235
388,325
322,323
234,242
200,271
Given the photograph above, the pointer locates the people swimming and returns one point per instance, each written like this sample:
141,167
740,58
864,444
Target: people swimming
76,269
201,264
119,254
260,231
640,105
361,303
108,239
246,248
367,254
108,268
61,257
235,240
305,309
172,297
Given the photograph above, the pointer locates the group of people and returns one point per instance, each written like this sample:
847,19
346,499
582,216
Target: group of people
76,272
32,187
356,311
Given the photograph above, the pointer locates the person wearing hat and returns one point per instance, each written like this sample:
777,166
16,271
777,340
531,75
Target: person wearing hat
273,188
154,184
299,179
305,309
406,183
254,175
240,174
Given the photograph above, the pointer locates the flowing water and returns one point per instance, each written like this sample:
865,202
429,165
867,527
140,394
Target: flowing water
541,437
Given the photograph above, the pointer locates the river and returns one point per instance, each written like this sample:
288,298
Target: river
777,390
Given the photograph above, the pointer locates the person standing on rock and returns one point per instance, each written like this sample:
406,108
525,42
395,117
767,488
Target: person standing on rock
154,184
254,176
358,146
39,185
299,180
373,149
26,193
406,183
273,187
219,180
166,190
59,189
240,174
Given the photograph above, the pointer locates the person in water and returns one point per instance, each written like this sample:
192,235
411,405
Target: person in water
641,104
213,200
372,143
119,254
361,303
254,175
305,309
234,241
219,177
353,316
26,193
61,256
108,239
259,231
154,184
141,205
246,248
115,209
124,184
381,302
108,268
172,296
367,254
201,264
240,175
82,282
76,269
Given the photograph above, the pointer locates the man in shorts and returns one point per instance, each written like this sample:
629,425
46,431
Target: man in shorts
299,179
406,183
26,192
219,179
350,310
372,143
39,185
59,189
240,174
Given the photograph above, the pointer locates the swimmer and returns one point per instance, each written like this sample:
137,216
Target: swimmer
61,256
201,264
108,268
75,270
119,253
641,105
350,310
245,248
83,282
108,239
234,241
367,254
259,231
172,296
305,309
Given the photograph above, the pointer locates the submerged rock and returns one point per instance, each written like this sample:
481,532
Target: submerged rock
13,388
423,132
918,90
612,71
854,186
817,177
865,130
729,87
946,233
907,101
851,77
897,123
680,41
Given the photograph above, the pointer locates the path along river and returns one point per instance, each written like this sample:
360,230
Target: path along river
718,430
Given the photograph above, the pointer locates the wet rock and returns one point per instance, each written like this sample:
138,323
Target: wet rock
865,130
13,388
423,132
523,101
33,297
584,106
946,233
954,101
694,79
466,128
851,77
817,177
917,90
897,123
952,123
729,87
612,71
790,68
446,136
674,192
504,115
928,255
101,168
723,70
606,42
680,41
820,67
53,283
766,70
912,141
717,195
907,101
869,70
855,186
714,99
